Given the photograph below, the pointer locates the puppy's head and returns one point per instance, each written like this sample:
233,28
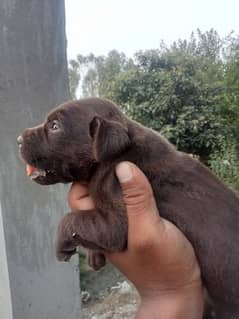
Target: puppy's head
73,140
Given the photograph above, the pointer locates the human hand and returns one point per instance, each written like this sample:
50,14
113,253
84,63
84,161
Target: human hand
159,260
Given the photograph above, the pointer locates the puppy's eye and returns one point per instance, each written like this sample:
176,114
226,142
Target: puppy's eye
55,125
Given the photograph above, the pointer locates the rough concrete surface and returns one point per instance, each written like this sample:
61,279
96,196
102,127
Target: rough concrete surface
107,294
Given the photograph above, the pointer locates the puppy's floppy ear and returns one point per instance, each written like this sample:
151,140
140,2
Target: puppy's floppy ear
110,138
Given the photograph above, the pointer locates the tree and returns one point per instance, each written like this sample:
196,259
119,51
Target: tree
74,78
98,73
177,94
231,106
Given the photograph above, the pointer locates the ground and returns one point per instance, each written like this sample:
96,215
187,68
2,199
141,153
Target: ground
106,294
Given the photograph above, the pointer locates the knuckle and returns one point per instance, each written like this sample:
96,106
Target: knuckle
140,195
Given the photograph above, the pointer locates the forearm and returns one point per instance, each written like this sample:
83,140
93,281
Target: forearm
187,305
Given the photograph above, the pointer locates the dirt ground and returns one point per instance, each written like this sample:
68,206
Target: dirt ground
106,294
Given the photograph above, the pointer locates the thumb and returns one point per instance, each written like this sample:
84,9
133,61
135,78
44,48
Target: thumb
137,196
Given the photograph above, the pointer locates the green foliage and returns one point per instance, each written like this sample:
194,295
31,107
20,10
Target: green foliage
225,164
74,77
83,266
231,80
177,94
97,72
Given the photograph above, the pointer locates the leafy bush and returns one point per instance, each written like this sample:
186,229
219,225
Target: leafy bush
225,165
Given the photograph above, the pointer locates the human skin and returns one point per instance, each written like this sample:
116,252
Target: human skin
159,260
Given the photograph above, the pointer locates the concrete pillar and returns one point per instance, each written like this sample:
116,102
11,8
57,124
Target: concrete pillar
5,294
33,78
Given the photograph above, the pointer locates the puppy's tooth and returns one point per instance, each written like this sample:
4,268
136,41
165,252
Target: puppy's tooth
29,170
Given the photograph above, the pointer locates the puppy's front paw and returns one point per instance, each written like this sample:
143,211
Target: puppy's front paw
66,239
65,250
75,230
96,259
92,230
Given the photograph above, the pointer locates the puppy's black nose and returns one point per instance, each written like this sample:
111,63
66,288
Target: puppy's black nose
19,140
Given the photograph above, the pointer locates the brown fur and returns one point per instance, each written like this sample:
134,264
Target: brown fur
93,137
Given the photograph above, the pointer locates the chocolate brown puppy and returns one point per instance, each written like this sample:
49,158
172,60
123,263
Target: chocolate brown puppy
84,141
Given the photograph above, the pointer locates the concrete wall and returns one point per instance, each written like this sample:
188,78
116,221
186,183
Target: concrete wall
33,78
5,294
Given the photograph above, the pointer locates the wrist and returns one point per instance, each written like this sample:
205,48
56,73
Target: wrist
187,303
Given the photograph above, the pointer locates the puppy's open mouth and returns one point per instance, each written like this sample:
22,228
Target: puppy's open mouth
36,173
43,176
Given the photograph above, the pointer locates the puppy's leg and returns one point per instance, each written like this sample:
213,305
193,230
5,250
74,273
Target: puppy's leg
93,230
96,259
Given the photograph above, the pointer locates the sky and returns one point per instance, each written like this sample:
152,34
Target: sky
99,26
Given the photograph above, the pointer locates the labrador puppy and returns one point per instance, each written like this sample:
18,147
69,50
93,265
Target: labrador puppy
84,140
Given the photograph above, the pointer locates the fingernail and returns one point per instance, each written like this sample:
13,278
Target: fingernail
124,172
